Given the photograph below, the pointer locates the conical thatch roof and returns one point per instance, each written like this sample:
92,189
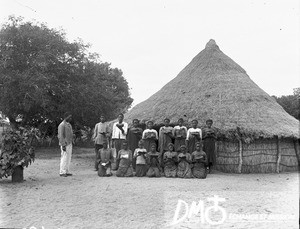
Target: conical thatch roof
213,86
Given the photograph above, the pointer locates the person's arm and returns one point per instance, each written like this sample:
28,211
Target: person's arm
99,156
139,131
156,135
143,134
118,160
174,132
130,156
62,135
107,130
171,133
111,158
185,133
95,132
160,131
192,158
135,153
114,131
205,159
188,134
144,154
125,127
188,158
200,133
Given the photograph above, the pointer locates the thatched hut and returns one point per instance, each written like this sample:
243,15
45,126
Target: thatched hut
255,133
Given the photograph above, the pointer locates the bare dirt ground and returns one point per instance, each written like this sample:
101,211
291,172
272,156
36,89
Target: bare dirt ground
85,200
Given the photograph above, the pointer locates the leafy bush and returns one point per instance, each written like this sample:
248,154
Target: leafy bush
15,150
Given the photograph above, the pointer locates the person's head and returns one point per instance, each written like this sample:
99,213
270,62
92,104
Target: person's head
105,145
102,119
149,124
67,116
199,146
209,122
153,147
167,122
194,123
120,118
180,121
183,149
125,145
135,122
141,144
170,147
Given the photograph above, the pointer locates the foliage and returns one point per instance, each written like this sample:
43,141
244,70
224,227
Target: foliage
42,76
16,150
291,103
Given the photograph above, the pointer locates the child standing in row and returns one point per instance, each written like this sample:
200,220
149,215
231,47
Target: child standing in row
179,133
165,136
194,135
140,155
149,136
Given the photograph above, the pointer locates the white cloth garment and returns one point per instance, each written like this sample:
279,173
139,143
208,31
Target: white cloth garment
117,133
65,159
193,130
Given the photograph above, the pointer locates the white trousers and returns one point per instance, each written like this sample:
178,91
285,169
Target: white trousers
65,159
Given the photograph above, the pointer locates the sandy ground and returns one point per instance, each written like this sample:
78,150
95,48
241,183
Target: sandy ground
85,200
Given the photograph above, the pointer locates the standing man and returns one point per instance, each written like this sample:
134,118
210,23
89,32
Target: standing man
119,132
101,133
65,137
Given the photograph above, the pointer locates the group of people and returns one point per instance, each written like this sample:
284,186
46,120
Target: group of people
170,152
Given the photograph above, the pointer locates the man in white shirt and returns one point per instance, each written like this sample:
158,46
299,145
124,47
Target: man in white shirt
119,132
65,137
101,133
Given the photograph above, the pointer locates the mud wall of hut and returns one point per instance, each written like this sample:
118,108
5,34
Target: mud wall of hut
260,156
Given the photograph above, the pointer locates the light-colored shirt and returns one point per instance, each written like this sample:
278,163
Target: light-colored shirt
140,160
125,158
148,132
65,133
101,132
117,133
193,130
180,131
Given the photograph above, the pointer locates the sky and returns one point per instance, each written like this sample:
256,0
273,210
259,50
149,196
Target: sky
151,41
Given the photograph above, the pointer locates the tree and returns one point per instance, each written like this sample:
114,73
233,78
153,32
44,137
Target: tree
291,103
42,75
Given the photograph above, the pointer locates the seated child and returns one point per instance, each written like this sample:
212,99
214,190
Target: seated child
104,160
199,160
140,155
184,166
170,161
124,162
153,162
